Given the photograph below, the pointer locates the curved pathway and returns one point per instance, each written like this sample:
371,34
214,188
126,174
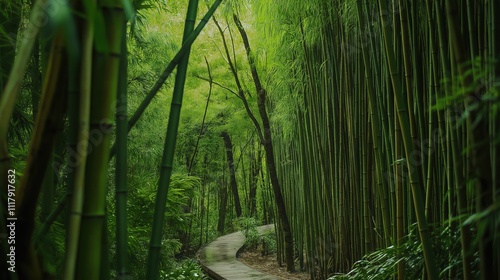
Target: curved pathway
218,258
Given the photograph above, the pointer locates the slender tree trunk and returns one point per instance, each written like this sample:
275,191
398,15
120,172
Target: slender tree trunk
268,148
185,237
255,165
202,213
121,191
153,267
232,174
222,206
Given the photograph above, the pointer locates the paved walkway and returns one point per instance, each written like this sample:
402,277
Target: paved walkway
218,258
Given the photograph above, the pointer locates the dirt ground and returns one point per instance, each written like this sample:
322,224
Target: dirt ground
269,265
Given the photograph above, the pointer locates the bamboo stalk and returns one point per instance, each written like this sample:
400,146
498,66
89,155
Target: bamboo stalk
480,154
409,150
121,192
49,120
186,46
168,151
78,186
105,71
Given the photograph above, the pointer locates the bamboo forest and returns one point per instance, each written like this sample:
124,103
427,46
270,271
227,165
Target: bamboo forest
284,139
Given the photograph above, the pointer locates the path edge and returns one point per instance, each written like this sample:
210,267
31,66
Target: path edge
212,273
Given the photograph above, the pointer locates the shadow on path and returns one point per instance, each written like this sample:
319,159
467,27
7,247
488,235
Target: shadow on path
218,258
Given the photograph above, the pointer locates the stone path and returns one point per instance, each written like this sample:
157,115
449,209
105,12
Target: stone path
218,258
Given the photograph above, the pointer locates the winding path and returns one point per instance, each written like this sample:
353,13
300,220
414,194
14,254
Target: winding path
218,258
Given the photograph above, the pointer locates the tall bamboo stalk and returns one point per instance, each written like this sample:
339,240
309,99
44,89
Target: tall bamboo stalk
105,73
49,121
401,60
406,125
121,162
78,187
186,46
168,151
478,132
9,93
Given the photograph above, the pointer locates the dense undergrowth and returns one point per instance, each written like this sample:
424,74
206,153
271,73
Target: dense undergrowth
382,264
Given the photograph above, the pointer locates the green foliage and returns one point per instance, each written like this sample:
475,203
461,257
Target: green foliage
381,264
249,229
19,158
266,241
485,220
52,249
188,270
309,56
141,199
269,243
483,88
160,30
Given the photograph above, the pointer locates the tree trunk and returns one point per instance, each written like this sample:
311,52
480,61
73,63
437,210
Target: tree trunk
230,162
268,147
255,164
222,208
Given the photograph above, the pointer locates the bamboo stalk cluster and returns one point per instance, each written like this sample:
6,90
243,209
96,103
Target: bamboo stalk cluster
394,123
83,96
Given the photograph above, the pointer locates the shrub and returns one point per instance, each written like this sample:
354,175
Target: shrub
249,228
268,243
189,270
382,263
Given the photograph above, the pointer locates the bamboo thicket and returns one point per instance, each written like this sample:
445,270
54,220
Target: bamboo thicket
389,100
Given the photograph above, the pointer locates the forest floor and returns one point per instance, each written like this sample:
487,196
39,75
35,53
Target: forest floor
268,264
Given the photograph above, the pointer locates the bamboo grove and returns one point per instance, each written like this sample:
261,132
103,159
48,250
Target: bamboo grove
396,130
366,130
84,89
